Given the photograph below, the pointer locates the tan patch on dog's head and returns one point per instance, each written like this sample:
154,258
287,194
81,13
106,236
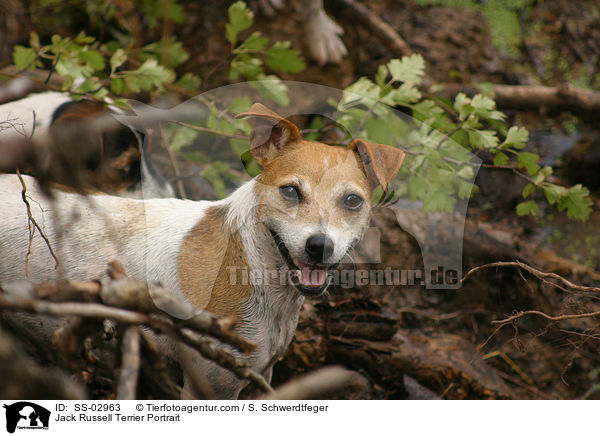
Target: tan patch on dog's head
324,176
274,137
207,253
310,190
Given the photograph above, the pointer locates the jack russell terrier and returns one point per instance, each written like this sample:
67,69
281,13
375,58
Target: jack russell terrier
300,216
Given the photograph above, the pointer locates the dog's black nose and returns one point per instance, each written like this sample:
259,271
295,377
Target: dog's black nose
319,248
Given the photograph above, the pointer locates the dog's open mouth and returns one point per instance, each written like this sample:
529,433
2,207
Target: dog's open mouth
311,280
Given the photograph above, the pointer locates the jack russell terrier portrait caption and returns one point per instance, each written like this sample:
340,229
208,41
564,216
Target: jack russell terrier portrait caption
302,215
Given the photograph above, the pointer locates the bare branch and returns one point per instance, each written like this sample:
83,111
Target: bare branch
380,28
16,89
130,364
208,349
144,302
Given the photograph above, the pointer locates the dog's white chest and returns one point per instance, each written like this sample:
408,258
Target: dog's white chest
271,322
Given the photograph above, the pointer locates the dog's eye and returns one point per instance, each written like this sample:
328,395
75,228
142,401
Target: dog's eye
352,202
290,193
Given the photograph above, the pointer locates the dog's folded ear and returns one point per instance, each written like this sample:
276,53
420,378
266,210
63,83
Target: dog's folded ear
381,162
271,133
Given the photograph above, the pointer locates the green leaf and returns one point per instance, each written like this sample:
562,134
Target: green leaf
271,88
168,51
255,42
500,159
438,201
93,59
189,81
284,59
465,189
466,172
529,161
527,208
58,43
462,105
240,18
68,65
34,41
148,76
181,137
554,193
117,86
405,95
117,59
377,131
482,102
156,10
381,75
577,203
93,87
240,104
361,90
483,138
251,166
528,190
67,83
460,100
24,58
83,39
409,69
483,107
516,137
247,67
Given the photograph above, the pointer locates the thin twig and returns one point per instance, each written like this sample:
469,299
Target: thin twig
33,126
432,316
525,386
521,314
31,220
174,164
512,168
212,131
52,68
535,272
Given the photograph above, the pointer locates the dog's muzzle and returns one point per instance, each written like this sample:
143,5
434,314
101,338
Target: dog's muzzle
310,280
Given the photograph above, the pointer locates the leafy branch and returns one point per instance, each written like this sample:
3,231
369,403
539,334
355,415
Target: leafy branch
442,138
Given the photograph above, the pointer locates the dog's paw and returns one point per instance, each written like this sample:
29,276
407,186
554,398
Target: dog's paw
324,37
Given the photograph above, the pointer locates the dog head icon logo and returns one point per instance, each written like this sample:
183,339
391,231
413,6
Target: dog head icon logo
26,415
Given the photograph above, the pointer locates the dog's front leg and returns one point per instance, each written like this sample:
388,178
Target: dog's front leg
203,379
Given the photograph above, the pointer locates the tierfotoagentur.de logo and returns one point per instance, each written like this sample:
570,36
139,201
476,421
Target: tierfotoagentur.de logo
26,416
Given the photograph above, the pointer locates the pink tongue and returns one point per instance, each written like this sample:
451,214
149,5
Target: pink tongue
313,277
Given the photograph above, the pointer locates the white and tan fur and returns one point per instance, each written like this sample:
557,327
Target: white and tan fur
191,247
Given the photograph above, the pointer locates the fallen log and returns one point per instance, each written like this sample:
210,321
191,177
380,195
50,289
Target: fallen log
567,96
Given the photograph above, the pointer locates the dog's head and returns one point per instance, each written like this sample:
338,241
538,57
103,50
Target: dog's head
314,198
